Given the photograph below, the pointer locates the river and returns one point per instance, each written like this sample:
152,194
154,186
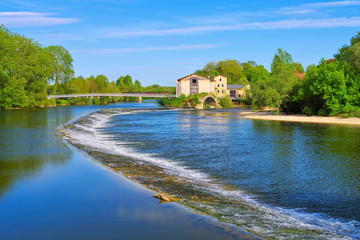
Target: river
276,179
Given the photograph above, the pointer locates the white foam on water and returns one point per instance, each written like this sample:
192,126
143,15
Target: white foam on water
90,134
94,138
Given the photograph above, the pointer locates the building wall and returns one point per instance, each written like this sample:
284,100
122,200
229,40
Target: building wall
204,85
183,87
221,86
240,93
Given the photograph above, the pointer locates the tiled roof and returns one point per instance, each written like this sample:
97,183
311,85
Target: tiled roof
237,86
301,75
194,75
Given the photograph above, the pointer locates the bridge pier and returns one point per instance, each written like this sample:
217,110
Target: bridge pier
140,99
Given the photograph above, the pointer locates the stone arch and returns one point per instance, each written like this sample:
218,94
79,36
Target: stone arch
209,100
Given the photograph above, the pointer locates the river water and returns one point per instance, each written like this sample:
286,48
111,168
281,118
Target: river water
275,179
50,190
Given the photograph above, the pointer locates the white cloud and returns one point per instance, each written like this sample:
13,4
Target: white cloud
305,23
144,49
332,4
311,7
282,24
32,19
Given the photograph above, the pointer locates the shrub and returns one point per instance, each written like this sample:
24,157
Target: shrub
164,101
225,102
62,102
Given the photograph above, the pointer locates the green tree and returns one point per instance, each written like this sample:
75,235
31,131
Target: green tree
258,73
276,91
351,53
209,71
137,86
102,83
298,67
63,68
112,88
120,82
128,81
25,68
76,85
233,70
330,89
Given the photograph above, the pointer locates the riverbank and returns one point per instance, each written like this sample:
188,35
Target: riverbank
265,115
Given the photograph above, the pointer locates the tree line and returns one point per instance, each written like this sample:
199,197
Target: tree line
331,87
29,72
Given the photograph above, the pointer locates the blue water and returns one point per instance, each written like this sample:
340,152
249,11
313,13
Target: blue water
48,190
308,174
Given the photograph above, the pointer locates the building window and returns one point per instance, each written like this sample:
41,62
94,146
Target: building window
218,85
218,91
222,85
194,80
220,79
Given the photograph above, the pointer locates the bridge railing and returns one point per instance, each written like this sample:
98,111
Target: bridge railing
138,94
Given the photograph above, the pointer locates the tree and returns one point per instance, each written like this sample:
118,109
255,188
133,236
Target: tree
351,53
137,86
209,71
62,62
25,69
277,90
128,81
76,85
112,88
255,74
330,89
298,67
120,82
102,83
232,69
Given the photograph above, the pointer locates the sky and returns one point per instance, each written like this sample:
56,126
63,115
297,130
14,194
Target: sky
157,42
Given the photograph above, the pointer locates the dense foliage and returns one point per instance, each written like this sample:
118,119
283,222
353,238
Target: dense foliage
30,72
330,88
225,102
275,89
25,68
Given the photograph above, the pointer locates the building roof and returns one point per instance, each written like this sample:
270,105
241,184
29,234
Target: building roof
301,75
235,86
194,74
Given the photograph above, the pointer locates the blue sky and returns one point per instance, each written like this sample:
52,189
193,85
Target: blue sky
160,41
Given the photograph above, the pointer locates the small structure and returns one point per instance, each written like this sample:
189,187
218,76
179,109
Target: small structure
301,75
221,86
237,91
194,84
209,101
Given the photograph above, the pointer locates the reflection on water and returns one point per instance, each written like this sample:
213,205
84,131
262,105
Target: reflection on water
27,143
49,191
318,165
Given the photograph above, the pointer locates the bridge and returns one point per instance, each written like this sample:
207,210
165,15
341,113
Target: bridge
140,95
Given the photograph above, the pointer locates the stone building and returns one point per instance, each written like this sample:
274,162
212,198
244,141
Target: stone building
195,84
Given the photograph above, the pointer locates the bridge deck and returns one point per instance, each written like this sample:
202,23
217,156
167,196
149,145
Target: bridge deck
152,95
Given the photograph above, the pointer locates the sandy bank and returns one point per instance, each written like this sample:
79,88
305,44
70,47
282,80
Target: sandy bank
299,118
